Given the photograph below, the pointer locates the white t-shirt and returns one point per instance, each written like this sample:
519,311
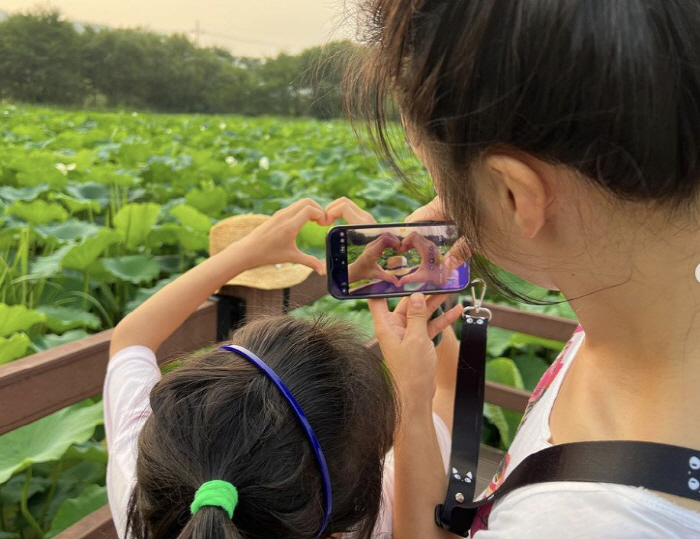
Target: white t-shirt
131,374
568,509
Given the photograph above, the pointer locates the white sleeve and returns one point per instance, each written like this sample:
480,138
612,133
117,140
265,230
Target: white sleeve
588,511
383,529
131,374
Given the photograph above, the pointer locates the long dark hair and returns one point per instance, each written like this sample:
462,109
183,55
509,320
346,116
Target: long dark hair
608,88
219,417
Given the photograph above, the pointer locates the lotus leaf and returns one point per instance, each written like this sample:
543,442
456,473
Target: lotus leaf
61,319
135,221
47,439
72,510
522,339
11,194
48,266
18,318
80,257
192,218
76,205
14,347
210,201
136,269
37,212
312,235
92,191
68,231
49,340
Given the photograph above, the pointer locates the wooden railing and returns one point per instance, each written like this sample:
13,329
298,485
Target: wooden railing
38,385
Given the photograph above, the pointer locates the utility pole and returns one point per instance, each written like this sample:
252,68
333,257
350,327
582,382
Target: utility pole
196,33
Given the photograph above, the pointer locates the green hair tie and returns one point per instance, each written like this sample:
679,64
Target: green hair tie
216,493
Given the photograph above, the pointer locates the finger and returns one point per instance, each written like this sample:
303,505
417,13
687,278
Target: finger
417,316
347,209
434,301
304,215
298,205
402,306
389,277
379,309
410,279
312,262
438,324
432,211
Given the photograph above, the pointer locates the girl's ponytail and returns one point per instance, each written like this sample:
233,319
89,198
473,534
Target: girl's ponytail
210,523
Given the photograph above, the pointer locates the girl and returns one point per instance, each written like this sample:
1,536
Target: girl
564,138
282,433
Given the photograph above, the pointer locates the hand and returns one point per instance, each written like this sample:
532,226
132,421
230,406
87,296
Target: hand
274,241
366,266
405,338
432,268
435,211
344,208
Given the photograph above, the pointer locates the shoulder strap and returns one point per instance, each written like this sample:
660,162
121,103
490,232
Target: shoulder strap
660,467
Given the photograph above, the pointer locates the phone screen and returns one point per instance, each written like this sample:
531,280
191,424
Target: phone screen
397,259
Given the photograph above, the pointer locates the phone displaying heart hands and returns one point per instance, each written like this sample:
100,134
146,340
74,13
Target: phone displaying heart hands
395,259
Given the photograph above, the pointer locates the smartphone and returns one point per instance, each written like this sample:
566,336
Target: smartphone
397,259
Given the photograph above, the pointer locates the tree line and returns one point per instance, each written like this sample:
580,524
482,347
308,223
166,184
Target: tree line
44,59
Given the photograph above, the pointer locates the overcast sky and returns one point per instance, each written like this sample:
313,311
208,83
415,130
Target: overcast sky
248,28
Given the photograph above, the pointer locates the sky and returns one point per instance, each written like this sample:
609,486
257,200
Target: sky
248,28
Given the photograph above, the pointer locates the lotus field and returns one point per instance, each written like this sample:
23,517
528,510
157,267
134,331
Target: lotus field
99,210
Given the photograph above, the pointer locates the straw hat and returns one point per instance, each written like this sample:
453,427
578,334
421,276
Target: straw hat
398,265
270,277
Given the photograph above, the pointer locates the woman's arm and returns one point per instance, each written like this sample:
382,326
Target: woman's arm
446,376
420,480
272,242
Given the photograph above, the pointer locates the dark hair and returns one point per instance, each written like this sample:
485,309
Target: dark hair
609,88
220,417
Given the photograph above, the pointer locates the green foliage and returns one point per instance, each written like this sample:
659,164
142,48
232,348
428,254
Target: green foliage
47,439
135,222
52,472
13,348
73,509
44,59
135,269
18,318
61,319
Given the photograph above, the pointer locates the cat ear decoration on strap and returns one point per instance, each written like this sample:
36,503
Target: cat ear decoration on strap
215,493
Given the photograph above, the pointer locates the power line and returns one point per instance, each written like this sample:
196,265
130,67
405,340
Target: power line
198,32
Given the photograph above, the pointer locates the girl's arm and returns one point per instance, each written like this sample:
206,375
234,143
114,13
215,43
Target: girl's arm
270,243
420,480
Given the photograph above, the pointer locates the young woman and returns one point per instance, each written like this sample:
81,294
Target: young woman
281,433
564,139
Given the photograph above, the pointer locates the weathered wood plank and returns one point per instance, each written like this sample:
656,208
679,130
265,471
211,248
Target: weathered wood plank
541,325
35,386
506,396
97,525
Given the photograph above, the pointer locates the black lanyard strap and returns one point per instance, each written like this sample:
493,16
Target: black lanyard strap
660,467
468,418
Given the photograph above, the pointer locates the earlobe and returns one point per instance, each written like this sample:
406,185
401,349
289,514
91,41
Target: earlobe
523,192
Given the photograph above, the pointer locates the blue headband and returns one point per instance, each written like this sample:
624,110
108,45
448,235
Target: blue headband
315,445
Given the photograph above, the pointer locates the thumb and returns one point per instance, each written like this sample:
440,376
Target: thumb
417,316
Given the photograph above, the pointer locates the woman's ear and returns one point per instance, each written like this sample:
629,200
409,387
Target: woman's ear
521,190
